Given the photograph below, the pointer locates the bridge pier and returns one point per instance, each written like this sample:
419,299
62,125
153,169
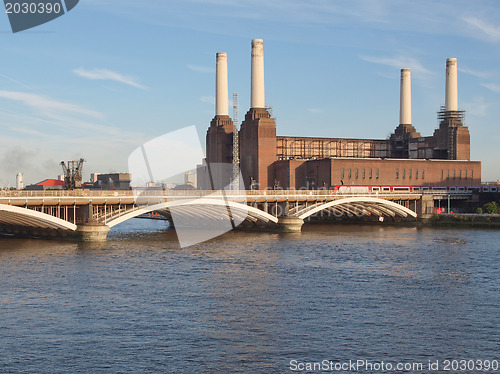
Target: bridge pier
290,224
425,207
92,232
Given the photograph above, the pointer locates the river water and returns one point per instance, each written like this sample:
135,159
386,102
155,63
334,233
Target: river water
249,302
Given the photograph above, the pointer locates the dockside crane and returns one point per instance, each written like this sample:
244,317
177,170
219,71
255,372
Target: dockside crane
73,174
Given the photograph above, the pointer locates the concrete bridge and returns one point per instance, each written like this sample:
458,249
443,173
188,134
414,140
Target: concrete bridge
89,214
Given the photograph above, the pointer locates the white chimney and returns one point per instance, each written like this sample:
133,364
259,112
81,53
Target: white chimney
405,98
258,96
221,87
451,98
19,181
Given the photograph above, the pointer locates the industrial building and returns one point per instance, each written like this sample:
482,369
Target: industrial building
269,161
110,181
46,184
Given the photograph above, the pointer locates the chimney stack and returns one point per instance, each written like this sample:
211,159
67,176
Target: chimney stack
405,98
451,98
19,182
221,88
257,96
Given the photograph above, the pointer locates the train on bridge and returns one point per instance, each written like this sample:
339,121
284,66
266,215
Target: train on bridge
357,189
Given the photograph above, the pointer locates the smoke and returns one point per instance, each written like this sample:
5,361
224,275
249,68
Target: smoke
25,161
15,160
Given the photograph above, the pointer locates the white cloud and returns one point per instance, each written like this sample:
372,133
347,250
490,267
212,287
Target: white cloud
70,119
27,131
236,14
108,75
15,81
201,69
47,105
207,99
315,110
486,29
492,87
478,107
399,62
475,73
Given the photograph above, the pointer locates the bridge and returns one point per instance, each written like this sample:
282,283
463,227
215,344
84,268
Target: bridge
90,214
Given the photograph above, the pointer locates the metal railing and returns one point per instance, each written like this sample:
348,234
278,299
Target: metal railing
189,193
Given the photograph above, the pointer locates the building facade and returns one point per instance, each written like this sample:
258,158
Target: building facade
268,161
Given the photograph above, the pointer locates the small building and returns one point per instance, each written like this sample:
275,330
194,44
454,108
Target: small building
190,178
93,177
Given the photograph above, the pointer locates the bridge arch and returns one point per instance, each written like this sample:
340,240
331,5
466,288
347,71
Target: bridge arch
371,203
14,215
192,206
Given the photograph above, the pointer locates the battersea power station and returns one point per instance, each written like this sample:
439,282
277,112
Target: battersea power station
268,161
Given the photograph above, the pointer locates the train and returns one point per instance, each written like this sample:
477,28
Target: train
356,189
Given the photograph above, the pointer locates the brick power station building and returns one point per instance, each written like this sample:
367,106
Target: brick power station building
268,161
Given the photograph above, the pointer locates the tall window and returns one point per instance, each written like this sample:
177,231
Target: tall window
357,173
371,173
423,174
377,173
342,173
363,173
404,173
409,174
416,173
397,173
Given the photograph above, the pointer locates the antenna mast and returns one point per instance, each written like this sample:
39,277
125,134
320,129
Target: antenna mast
236,145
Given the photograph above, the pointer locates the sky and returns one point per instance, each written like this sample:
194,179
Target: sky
111,75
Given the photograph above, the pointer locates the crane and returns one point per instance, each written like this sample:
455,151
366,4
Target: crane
73,174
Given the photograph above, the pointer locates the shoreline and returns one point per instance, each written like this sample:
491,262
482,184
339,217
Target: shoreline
463,220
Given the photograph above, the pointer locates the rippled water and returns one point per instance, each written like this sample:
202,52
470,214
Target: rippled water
248,302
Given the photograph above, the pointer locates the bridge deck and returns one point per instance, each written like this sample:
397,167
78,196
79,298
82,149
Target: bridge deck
85,197
84,209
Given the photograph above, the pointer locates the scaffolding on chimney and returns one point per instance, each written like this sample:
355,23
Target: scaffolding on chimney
454,117
236,145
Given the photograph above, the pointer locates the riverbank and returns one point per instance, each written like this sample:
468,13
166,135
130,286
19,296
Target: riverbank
465,220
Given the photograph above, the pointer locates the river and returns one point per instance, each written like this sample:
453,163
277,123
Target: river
249,302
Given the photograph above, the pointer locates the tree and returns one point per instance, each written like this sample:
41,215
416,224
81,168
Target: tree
491,208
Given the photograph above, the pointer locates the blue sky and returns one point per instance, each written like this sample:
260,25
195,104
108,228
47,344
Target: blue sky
113,74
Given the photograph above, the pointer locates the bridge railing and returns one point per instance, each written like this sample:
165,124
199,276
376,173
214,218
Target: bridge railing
64,193
194,193
107,193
